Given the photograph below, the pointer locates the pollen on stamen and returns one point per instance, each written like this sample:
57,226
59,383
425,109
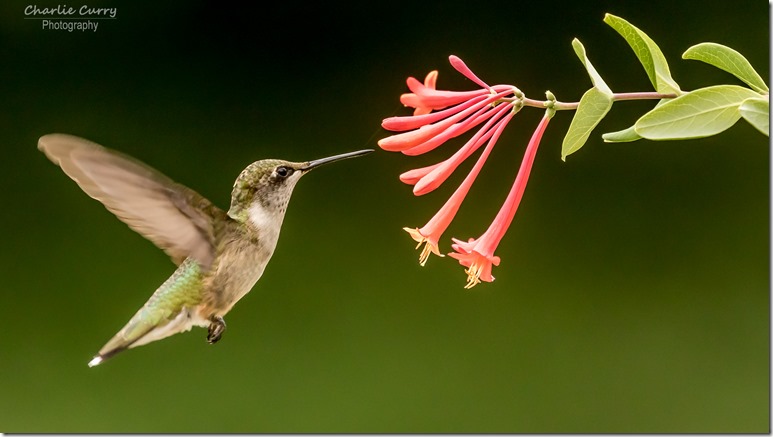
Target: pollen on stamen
473,276
429,247
424,256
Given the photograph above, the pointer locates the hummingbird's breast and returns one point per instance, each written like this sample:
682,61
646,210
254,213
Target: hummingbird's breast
243,253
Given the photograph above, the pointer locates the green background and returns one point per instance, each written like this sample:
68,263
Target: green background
633,293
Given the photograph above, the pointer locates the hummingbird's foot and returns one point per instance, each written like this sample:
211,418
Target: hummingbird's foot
216,329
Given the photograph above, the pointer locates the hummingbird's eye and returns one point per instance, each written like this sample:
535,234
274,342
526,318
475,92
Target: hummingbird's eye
283,171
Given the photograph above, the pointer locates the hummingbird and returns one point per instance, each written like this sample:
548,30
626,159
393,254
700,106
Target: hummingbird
219,255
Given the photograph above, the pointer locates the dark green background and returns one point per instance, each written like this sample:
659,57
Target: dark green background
633,294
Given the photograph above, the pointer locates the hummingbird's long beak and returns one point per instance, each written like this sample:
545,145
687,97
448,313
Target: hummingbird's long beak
317,162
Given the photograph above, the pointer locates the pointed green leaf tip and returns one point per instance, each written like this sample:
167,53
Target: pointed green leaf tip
701,113
756,111
593,106
649,54
729,60
595,78
621,136
627,135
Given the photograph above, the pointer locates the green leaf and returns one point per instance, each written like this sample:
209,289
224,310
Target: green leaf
701,113
593,106
729,60
756,111
649,54
621,136
627,135
598,82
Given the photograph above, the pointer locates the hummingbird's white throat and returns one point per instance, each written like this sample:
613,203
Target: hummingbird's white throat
267,214
267,220
259,216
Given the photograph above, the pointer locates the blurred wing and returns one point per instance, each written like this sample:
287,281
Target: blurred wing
172,216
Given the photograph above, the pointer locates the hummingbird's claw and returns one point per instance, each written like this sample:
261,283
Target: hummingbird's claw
216,329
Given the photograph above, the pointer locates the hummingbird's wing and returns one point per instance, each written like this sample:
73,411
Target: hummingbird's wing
172,216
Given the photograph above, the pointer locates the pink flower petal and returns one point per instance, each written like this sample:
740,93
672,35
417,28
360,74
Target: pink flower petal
482,112
478,267
406,140
430,242
437,99
442,219
478,254
461,67
438,175
410,99
403,123
505,216
452,132
463,246
431,80
410,177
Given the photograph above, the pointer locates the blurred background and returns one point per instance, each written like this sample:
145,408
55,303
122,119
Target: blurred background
633,292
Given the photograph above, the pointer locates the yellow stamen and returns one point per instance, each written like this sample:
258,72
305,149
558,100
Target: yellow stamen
473,276
428,246
424,256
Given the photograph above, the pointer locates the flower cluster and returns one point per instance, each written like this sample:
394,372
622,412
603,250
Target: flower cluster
439,116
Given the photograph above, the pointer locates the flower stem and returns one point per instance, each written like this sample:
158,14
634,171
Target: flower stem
642,96
617,97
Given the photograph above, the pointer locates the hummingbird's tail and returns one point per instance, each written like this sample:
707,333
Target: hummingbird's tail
171,309
129,336
102,357
140,330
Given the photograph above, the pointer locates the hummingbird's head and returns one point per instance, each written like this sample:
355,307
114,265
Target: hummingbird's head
263,189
